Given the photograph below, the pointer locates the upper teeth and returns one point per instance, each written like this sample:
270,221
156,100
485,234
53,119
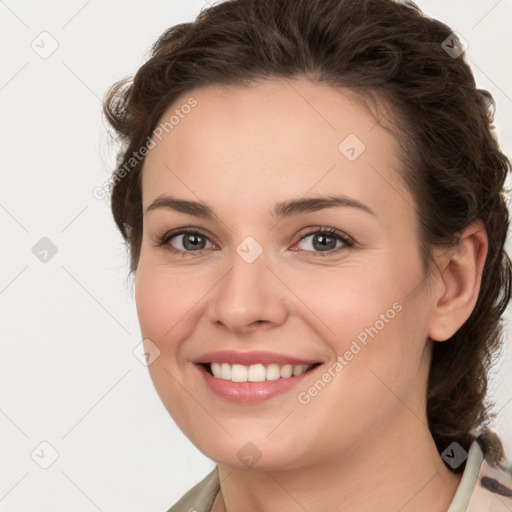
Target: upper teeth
256,372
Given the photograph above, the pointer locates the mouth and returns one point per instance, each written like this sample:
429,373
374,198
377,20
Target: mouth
255,383
255,376
258,372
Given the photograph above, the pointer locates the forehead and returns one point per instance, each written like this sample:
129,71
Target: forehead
260,142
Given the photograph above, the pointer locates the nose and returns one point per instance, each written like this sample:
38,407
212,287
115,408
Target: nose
249,297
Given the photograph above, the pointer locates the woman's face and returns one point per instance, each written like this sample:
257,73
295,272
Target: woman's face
258,273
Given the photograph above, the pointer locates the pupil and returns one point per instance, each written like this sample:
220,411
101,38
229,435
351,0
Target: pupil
194,244
319,242
323,244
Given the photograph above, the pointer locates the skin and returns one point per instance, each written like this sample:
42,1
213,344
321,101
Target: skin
362,443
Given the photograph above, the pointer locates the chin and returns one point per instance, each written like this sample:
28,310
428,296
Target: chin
240,453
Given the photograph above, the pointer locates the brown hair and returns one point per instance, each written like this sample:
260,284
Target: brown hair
377,49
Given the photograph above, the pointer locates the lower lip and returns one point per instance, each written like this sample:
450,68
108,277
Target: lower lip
245,392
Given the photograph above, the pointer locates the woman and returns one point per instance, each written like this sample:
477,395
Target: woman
312,197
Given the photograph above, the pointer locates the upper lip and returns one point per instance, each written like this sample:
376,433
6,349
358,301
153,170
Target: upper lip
250,358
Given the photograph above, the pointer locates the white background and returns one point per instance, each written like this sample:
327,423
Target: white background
68,326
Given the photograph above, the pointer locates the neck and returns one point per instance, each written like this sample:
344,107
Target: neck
396,468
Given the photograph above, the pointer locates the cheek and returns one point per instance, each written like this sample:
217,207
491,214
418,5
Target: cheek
153,298
167,304
165,300
372,322
378,348
352,305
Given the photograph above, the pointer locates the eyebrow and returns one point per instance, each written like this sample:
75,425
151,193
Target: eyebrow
282,209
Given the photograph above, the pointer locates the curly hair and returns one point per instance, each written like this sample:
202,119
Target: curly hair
384,51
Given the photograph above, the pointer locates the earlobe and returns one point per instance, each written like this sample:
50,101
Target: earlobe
460,278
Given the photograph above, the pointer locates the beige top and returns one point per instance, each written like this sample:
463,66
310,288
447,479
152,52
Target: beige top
483,488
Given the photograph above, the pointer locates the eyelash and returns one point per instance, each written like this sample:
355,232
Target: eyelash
329,232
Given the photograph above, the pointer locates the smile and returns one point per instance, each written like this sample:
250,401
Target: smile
254,376
255,372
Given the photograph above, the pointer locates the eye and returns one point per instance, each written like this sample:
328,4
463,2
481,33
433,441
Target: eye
184,241
320,241
324,241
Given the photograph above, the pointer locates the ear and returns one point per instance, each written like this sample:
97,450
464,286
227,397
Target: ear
460,278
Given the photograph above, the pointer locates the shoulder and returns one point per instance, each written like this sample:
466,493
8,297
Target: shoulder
493,489
201,497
